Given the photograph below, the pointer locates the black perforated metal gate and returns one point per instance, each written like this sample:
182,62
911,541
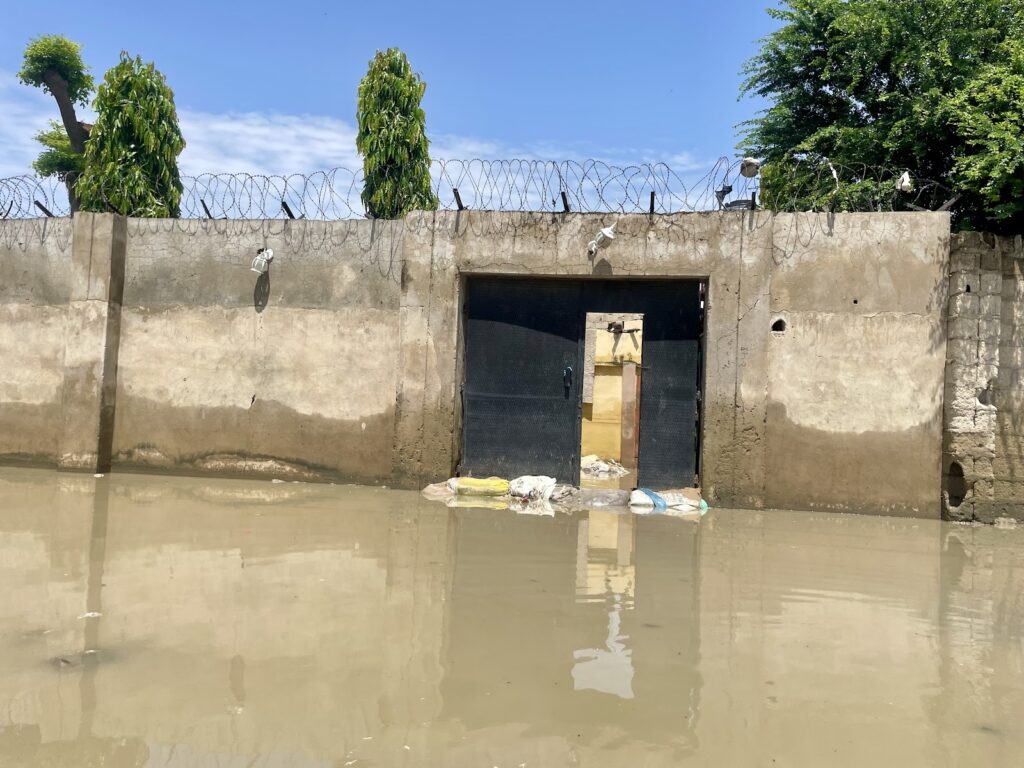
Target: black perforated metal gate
523,358
521,401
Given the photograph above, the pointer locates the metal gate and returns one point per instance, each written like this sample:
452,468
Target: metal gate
522,394
668,386
522,397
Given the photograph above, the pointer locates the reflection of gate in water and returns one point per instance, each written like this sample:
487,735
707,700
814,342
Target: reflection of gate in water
615,645
522,392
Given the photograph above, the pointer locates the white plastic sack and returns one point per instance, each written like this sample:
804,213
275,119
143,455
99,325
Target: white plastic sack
532,487
643,499
540,508
594,466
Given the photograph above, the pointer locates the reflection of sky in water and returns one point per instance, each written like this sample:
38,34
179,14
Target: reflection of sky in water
605,574
609,669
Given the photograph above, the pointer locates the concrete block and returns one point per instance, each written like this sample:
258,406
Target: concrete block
963,351
991,260
986,374
964,259
968,443
964,283
961,328
1005,379
1007,468
959,400
964,305
984,489
988,352
991,283
981,469
1008,490
960,422
991,306
985,420
990,329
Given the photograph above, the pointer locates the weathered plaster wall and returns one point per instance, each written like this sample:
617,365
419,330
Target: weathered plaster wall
346,362
854,411
35,286
841,412
443,247
223,371
984,396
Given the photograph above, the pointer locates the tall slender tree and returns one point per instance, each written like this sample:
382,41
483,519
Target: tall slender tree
55,64
392,138
131,159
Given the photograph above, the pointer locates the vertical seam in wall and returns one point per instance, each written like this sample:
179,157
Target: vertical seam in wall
736,369
88,272
421,451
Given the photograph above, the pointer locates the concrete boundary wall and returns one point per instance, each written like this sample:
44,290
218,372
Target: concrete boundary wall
345,364
816,417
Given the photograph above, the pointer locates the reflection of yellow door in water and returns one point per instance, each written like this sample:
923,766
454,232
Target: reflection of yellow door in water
613,353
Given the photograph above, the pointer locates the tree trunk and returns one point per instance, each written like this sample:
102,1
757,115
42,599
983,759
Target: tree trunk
76,131
69,181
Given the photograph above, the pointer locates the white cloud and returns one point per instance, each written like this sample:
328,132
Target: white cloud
265,143
25,112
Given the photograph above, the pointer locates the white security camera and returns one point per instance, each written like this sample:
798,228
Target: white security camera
605,235
261,264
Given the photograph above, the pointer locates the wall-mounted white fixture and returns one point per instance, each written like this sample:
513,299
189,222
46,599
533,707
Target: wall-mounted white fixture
604,237
261,264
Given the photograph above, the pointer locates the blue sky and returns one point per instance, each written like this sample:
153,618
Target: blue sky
271,86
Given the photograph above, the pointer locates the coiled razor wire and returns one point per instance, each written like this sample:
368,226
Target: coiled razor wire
588,186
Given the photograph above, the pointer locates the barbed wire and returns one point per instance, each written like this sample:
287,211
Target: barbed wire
588,186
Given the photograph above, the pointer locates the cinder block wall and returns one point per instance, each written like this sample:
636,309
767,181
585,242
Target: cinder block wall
983,437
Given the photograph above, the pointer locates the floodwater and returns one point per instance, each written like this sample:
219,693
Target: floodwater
151,621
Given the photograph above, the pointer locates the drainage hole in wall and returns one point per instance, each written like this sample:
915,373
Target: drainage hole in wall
968,289
779,326
956,487
986,396
855,301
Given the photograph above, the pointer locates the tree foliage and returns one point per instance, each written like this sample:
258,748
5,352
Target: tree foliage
55,64
933,87
51,54
131,160
57,158
392,138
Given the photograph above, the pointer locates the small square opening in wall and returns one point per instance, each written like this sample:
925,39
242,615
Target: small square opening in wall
779,326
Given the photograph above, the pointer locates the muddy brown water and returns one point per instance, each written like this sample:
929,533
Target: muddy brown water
151,621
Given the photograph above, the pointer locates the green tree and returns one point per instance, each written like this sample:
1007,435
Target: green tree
131,160
392,138
55,64
58,158
989,115
862,90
